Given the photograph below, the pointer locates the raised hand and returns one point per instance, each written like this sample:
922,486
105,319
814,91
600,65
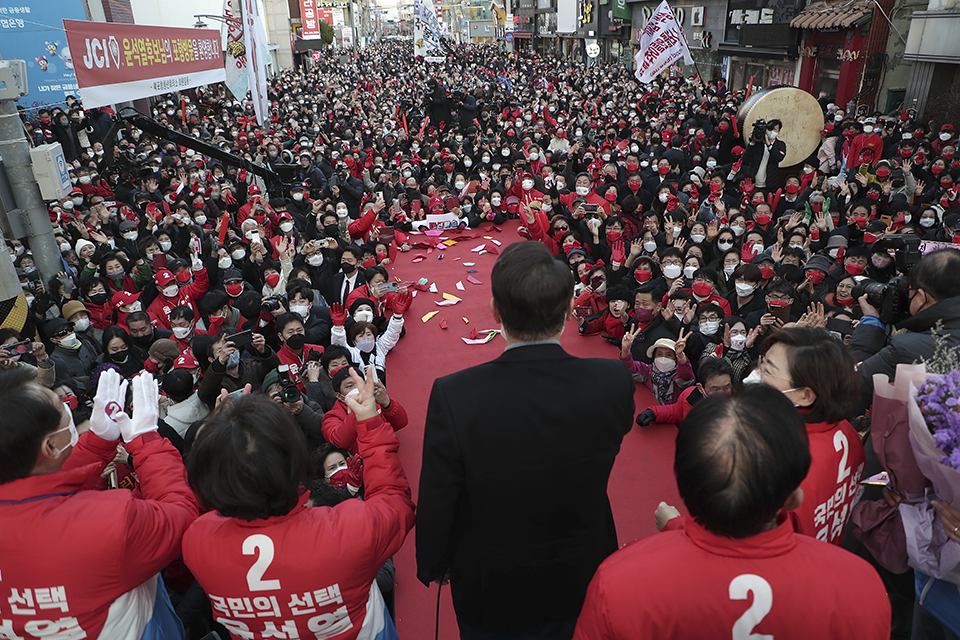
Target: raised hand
109,401
338,315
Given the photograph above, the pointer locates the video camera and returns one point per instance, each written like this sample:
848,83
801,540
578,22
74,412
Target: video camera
759,133
891,299
288,388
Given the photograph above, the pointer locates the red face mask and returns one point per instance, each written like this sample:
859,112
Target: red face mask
722,127
611,197
883,172
778,304
816,208
763,219
702,289
905,153
642,275
233,290
860,221
766,273
613,236
150,366
846,302
849,133
936,169
381,256
792,188
634,186
71,401
873,195
948,155
273,279
664,170
632,166
716,187
369,262
854,269
513,208
869,238
817,276
701,136
815,234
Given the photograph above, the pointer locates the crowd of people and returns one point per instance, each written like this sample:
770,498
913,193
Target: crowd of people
234,301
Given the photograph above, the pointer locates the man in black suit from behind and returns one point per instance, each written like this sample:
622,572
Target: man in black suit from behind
517,452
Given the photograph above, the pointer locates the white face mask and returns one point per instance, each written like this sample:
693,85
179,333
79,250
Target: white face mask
467,162
165,246
943,136
225,263
744,290
170,291
302,309
181,332
868,130
495,202
130,235
709,327
342,213
534,156
754,377
527,185
64,246
689,271
238,254
663,197
342,465
833,252
459,185
772,135
134,307
69,341
82,324
711,164
650,246
315,260
74,435
738,342
286,227
363,316
724,246
697,237
672,271
298,197
201,219
583,191
925,222
664,365
737,231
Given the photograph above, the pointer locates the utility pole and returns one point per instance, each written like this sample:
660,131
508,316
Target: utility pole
19,168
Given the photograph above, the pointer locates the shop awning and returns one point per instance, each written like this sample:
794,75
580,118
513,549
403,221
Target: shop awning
836,14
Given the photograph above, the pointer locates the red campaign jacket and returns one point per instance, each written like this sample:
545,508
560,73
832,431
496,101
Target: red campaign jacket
692,584
159,310
592,198
101,315
828,490
289,356
309,572
116,542
339,426
676,412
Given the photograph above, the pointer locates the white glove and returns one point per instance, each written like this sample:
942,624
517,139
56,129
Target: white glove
146,398
197,264
108,404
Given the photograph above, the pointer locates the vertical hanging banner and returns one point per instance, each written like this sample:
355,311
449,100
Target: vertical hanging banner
235,51
426,32
309,19
256,59
118,62
661,43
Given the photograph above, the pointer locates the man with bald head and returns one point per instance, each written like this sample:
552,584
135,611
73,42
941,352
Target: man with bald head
737,569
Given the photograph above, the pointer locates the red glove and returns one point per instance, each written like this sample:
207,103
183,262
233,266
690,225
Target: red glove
242,175
229,199
355,472
338,314
617,252
402,302
736,166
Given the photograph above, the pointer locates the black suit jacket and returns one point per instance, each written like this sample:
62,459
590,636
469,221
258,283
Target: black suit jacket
513,490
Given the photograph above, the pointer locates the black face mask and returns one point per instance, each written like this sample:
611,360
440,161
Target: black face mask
296,341
347,268
331,230
98,298
143,342
119,357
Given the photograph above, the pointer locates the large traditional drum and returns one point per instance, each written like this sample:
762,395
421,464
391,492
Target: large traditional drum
800,113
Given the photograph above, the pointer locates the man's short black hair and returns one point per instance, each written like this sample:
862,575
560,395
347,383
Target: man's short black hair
655,288
333,352
714,367
304,292
286,318
532,291
354,251
138,316
370,272
27,416
178,385
212,301
739,458
782,287
250,461
936,273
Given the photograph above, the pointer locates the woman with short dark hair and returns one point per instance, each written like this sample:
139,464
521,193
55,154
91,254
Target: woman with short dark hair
817,373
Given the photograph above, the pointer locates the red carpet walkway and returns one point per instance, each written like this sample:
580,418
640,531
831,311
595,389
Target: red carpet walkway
642,475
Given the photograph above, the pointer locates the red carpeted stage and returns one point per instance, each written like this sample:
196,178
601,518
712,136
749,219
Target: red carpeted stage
642,475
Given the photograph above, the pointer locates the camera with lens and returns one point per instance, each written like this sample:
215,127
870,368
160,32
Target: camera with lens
759,133
272,303
891,299
288,388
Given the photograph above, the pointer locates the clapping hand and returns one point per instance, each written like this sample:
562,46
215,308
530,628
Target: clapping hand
107,404
146,396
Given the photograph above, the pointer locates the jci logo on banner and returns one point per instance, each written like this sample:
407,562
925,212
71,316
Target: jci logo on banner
126,62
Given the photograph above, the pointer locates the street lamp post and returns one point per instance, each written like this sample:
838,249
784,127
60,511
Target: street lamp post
231,20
